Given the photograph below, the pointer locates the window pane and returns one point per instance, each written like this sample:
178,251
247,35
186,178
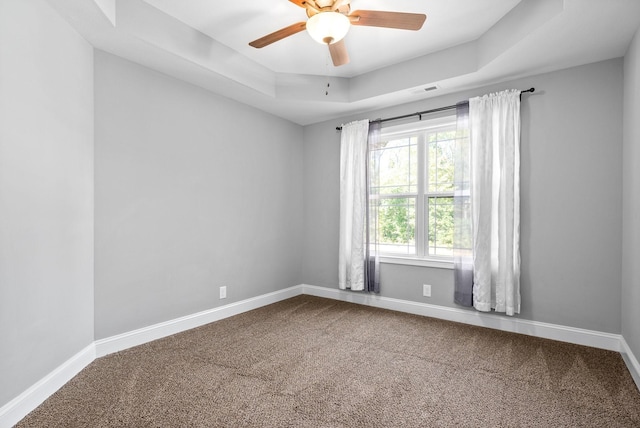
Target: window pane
449,134
396,164
440,237
394,168
396,221
441,164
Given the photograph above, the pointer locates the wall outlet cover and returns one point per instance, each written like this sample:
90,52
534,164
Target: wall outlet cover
426,290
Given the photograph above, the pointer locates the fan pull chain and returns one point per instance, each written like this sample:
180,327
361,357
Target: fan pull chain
326,64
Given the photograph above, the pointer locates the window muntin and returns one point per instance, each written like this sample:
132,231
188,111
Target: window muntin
412,187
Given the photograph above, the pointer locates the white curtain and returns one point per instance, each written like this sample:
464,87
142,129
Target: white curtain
372,269
462,236
353,205
494,122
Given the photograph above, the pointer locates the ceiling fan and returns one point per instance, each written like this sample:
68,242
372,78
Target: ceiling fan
330,20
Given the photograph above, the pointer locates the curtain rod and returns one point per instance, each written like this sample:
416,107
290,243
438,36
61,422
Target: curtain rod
420,113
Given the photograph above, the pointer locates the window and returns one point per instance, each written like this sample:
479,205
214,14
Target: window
412,185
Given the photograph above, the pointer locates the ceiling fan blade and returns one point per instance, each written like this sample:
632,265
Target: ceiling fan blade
400,20
339,54
300,3
278,35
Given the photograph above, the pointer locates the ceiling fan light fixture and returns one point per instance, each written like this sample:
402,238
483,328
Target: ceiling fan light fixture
328,27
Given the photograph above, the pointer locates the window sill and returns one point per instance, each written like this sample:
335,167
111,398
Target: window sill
410,261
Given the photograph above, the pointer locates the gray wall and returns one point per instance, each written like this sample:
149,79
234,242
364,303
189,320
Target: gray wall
631,199
193,192
570,203
46,194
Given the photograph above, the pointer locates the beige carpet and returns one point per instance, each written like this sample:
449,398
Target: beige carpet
311,362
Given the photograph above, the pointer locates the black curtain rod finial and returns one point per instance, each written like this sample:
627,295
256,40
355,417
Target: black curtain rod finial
532,90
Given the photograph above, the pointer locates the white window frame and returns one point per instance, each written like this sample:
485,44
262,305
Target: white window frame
421,130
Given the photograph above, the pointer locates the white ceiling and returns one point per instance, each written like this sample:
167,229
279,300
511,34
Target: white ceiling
463,43
236,23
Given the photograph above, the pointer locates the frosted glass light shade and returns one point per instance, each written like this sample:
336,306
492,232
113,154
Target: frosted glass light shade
328,27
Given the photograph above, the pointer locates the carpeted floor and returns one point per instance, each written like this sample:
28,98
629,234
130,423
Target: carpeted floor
312,362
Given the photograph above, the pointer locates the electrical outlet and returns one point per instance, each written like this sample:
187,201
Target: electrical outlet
223,292
426,290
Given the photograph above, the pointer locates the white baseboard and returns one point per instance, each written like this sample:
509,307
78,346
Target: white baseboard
632,362
16,409
578,336
19,407
167,328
